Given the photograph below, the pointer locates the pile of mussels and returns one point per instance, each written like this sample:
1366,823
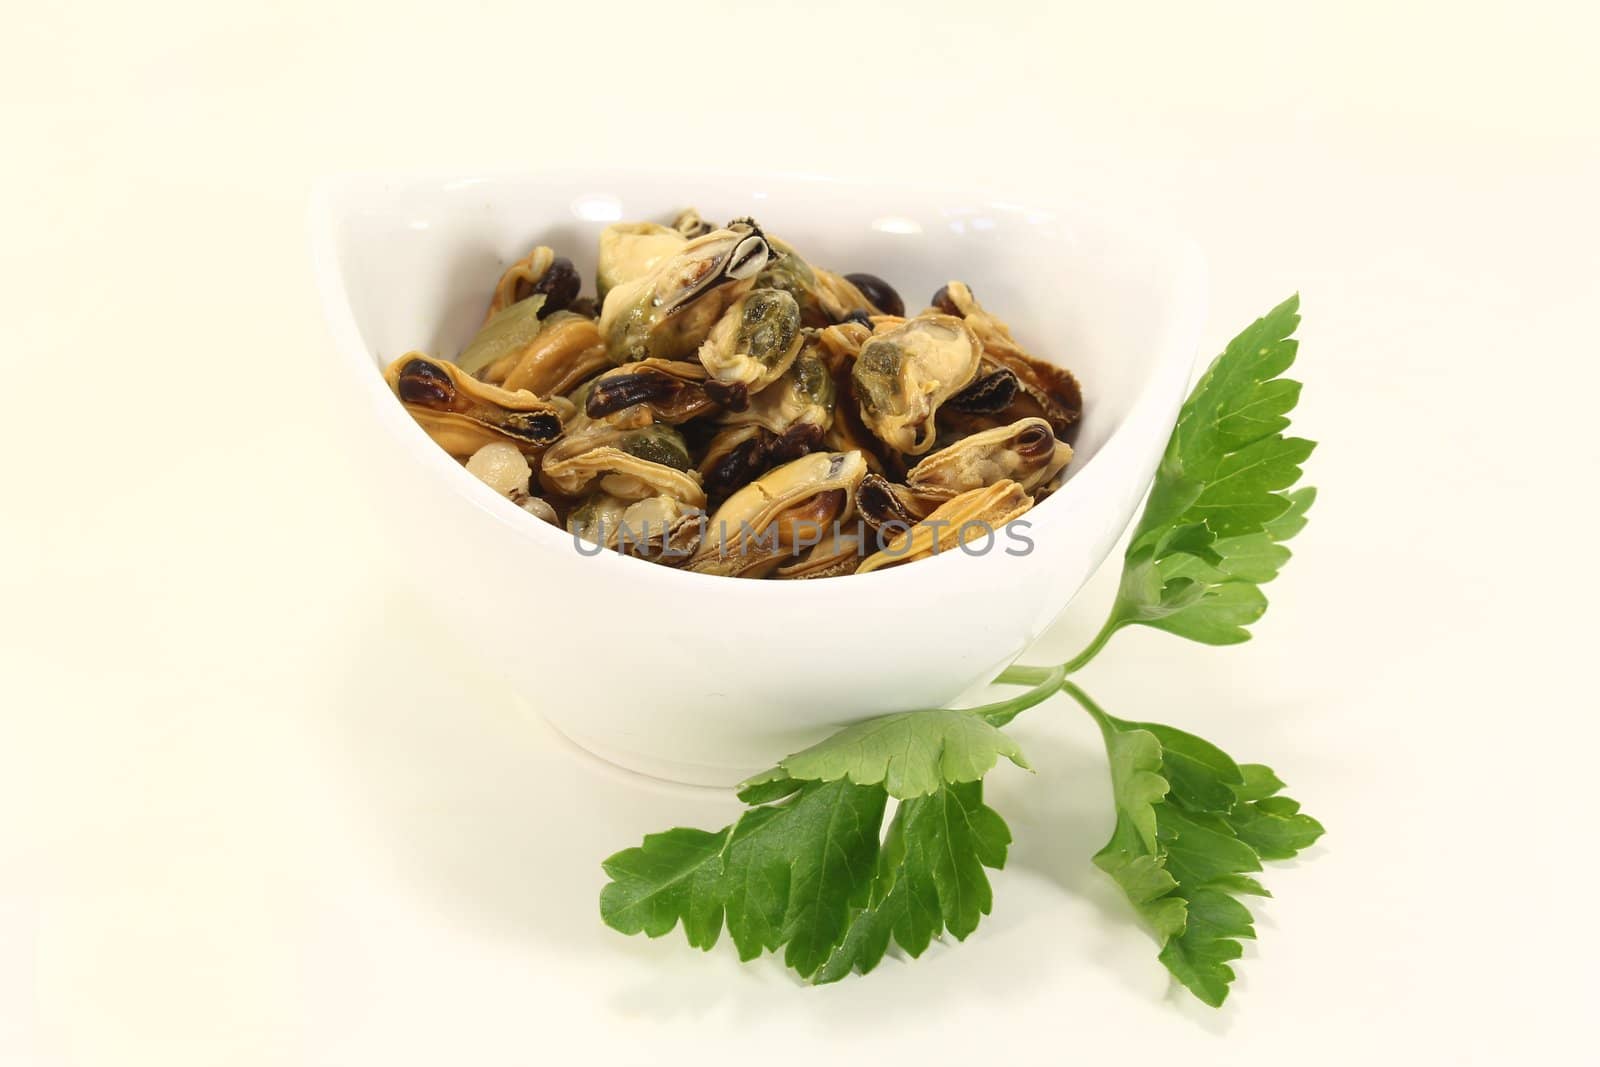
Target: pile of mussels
727,407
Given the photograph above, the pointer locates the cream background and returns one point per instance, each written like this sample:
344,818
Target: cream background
257,811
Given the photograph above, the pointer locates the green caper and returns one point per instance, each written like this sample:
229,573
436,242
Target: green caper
657,444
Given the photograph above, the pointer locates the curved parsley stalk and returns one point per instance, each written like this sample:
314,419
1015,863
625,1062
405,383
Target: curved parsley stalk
810,869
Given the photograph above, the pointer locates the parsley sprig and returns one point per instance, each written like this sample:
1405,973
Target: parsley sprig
809,868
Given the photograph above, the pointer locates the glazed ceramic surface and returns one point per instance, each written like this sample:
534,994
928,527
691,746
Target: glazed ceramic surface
700,678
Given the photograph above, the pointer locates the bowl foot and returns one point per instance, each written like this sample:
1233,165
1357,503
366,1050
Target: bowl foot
675,772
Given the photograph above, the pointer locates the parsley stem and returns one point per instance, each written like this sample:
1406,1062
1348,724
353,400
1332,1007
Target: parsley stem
1093,648
1096,712
1045,682
1053,677
1017,675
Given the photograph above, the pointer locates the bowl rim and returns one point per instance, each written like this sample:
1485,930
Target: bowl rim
1158,397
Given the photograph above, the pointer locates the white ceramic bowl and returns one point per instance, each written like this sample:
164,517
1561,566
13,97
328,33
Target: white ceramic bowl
704,679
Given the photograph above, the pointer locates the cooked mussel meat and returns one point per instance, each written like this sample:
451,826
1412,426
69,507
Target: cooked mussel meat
462,414
667,312
888,506
962,520
661,528
840,344
690,224
905,372
631,250
563,352
787,510
628,463
1026,452
597,519
673,391
840,553
1042,388
990,393
824,298
783,422
755,341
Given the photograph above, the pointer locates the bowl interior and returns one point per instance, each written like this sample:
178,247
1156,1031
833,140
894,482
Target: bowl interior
418,257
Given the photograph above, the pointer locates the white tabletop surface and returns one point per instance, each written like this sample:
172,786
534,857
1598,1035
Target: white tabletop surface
259,810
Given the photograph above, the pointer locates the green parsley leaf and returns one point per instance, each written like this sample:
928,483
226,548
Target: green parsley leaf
1227,449
911,754
674,876
1274,826
930,878
803,870
788,876
1192,828
1211,533
1214,924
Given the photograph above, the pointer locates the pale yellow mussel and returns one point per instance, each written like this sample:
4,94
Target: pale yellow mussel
631,250
905,372
672,391
548,357
667,313
462,414
973,516
755,341
838,346
632,417
689,223
629,464
824,298
659,528
840,553
782,423
1026,452
789,509
1042,389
